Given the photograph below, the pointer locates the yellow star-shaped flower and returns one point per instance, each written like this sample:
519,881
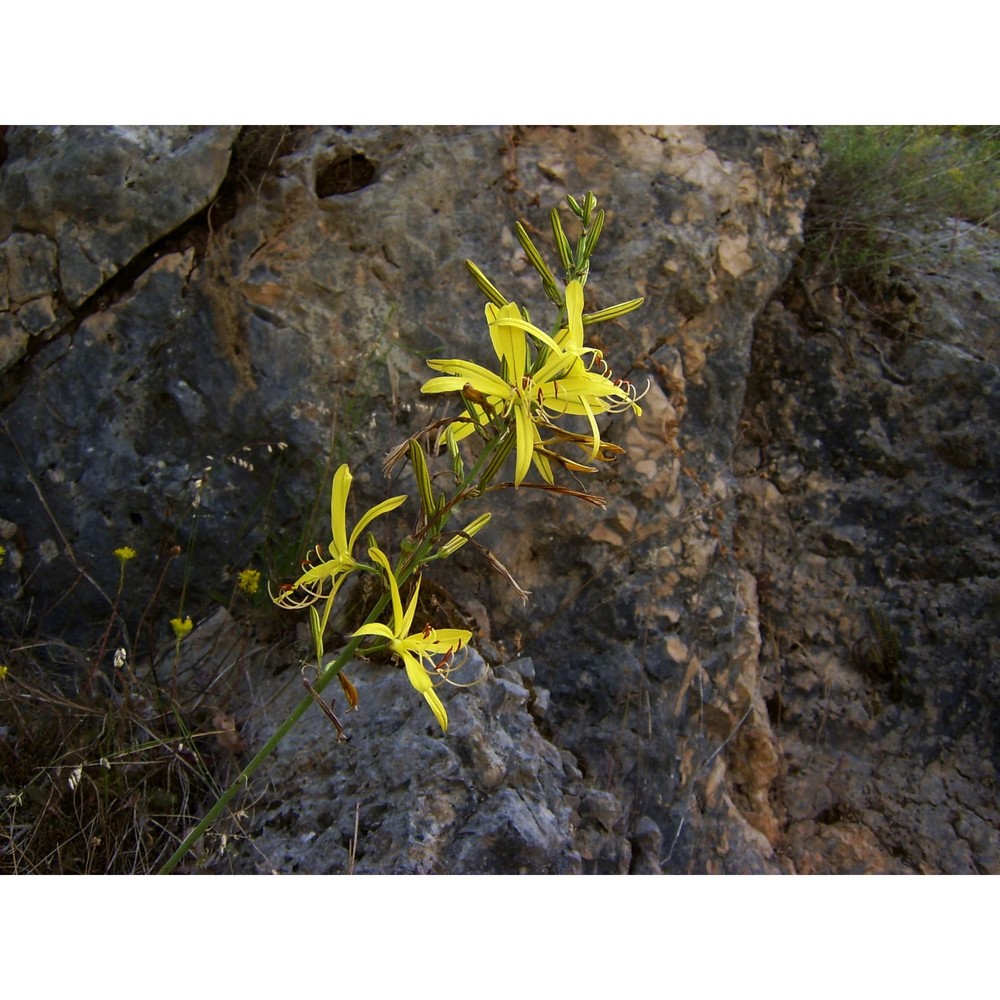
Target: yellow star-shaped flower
322,580
417,651
554,383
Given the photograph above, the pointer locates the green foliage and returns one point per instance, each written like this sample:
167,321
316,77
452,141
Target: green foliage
887,195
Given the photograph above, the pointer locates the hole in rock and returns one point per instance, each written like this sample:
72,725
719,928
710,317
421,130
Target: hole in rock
344,175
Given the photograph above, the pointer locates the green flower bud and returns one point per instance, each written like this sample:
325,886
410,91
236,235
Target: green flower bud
454,544
317,631
421,473
562,243
486,286
590,240
533,255
612,312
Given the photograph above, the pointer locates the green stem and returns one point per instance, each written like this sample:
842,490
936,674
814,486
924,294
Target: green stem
419,556
268,748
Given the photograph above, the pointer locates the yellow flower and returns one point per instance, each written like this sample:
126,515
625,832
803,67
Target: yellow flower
323,580
125,553
571,337
555,383
249,581
3,671
417,651
181,627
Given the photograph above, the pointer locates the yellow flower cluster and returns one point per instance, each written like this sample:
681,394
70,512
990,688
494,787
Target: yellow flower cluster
541,379
323,577
417,651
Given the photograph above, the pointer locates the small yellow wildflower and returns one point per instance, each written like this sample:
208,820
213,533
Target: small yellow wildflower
3,555
181,627
249,581
3,671
125,553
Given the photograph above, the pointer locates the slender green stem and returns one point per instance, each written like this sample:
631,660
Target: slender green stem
268,748
417,558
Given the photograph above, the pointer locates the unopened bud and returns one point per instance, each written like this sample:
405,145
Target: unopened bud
461,537
612,312
421,473
575,207
486,286
594,234
533,255
562,242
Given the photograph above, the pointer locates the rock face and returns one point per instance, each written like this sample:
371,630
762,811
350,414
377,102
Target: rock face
80,204
874,538
493,796
704,678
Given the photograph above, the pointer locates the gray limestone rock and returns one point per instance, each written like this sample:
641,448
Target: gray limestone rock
397,797
877,562
102,195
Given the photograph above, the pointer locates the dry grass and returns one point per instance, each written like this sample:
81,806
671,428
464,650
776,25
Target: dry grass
108,781
114,736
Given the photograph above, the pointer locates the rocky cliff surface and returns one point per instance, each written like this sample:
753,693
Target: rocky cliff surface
775,651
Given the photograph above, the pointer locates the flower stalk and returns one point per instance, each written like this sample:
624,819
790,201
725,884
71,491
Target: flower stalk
517,410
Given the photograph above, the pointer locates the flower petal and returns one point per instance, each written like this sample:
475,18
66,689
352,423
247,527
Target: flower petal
437,708
415,671
532,330
479,377
381,508
338,509
574,311
421,682
595,433
377,555
445,383
447,640
375,628
510,344
324,571
525,441
559,365
544,466
407,623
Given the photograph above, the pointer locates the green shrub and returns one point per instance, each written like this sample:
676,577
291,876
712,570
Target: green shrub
887,195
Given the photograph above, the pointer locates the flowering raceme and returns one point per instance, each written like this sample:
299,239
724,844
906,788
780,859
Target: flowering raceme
541,378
